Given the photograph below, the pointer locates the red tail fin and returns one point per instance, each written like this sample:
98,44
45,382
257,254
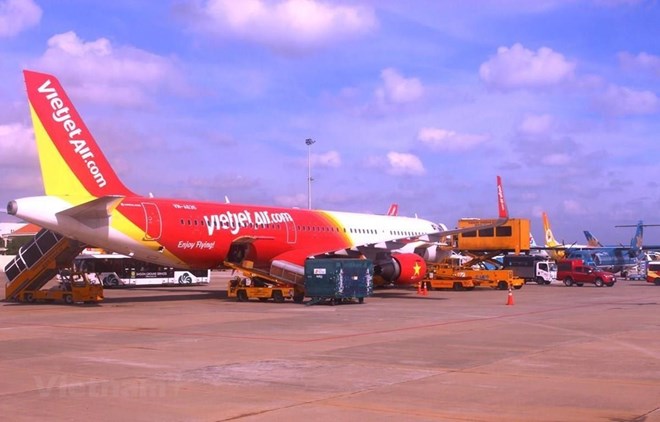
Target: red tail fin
393,210
501,204
71,161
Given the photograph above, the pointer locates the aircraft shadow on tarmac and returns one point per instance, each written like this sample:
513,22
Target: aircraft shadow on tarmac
406,294
164,295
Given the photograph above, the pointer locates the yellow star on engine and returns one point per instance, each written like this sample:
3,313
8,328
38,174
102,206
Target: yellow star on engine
417,267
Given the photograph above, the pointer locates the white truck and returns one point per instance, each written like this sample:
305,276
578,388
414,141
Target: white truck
531,268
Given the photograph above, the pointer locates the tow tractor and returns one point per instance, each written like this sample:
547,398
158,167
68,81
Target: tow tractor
470,274
466,278
495,278
245,288
445,277
73,287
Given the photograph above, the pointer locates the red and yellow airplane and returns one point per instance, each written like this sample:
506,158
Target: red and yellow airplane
86,201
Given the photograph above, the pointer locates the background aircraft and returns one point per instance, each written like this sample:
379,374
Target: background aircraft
612,258
555,249
591,239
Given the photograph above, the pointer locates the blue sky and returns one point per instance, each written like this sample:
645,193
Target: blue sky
420,103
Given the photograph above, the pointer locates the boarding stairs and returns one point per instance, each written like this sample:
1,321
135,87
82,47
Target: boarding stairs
37,262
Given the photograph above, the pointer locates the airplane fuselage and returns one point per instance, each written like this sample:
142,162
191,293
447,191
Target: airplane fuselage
614,260
195,234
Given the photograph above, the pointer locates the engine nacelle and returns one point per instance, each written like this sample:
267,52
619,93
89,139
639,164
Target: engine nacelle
402,268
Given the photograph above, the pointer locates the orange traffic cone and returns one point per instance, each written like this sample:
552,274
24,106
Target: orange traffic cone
419,287
424,292
509,300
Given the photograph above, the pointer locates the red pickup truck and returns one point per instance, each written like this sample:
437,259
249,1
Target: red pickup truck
574,271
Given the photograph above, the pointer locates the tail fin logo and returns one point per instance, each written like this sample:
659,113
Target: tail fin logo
549,237
62,115
504,212
591,239
71,161
532,241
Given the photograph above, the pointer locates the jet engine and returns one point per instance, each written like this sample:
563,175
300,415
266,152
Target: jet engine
400,268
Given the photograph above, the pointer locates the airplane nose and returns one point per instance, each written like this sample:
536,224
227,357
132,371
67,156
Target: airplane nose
12,208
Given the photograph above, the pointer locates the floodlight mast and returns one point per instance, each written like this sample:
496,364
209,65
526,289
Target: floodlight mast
309,142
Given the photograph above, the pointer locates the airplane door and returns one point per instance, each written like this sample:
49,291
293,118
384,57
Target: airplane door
291,233
153,223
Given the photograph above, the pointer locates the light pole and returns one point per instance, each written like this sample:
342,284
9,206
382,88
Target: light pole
309,142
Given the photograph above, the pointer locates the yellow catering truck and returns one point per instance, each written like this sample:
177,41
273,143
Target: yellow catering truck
496,279
513,236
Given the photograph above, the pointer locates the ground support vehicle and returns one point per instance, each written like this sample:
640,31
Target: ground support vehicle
444,277
483,270
511,236
72,288
260,284
653,272
495,279
574,271
531,268
337,280
38,262
245,288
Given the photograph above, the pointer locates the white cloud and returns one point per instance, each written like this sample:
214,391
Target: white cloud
397,89
620,100
401,163
17,15
329,159
518,67
641,62
448,140
288,26
104,73
537,124
16,144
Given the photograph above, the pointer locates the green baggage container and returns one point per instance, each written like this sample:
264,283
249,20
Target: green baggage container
338,280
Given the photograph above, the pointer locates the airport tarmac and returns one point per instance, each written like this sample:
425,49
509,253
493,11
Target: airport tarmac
190,354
